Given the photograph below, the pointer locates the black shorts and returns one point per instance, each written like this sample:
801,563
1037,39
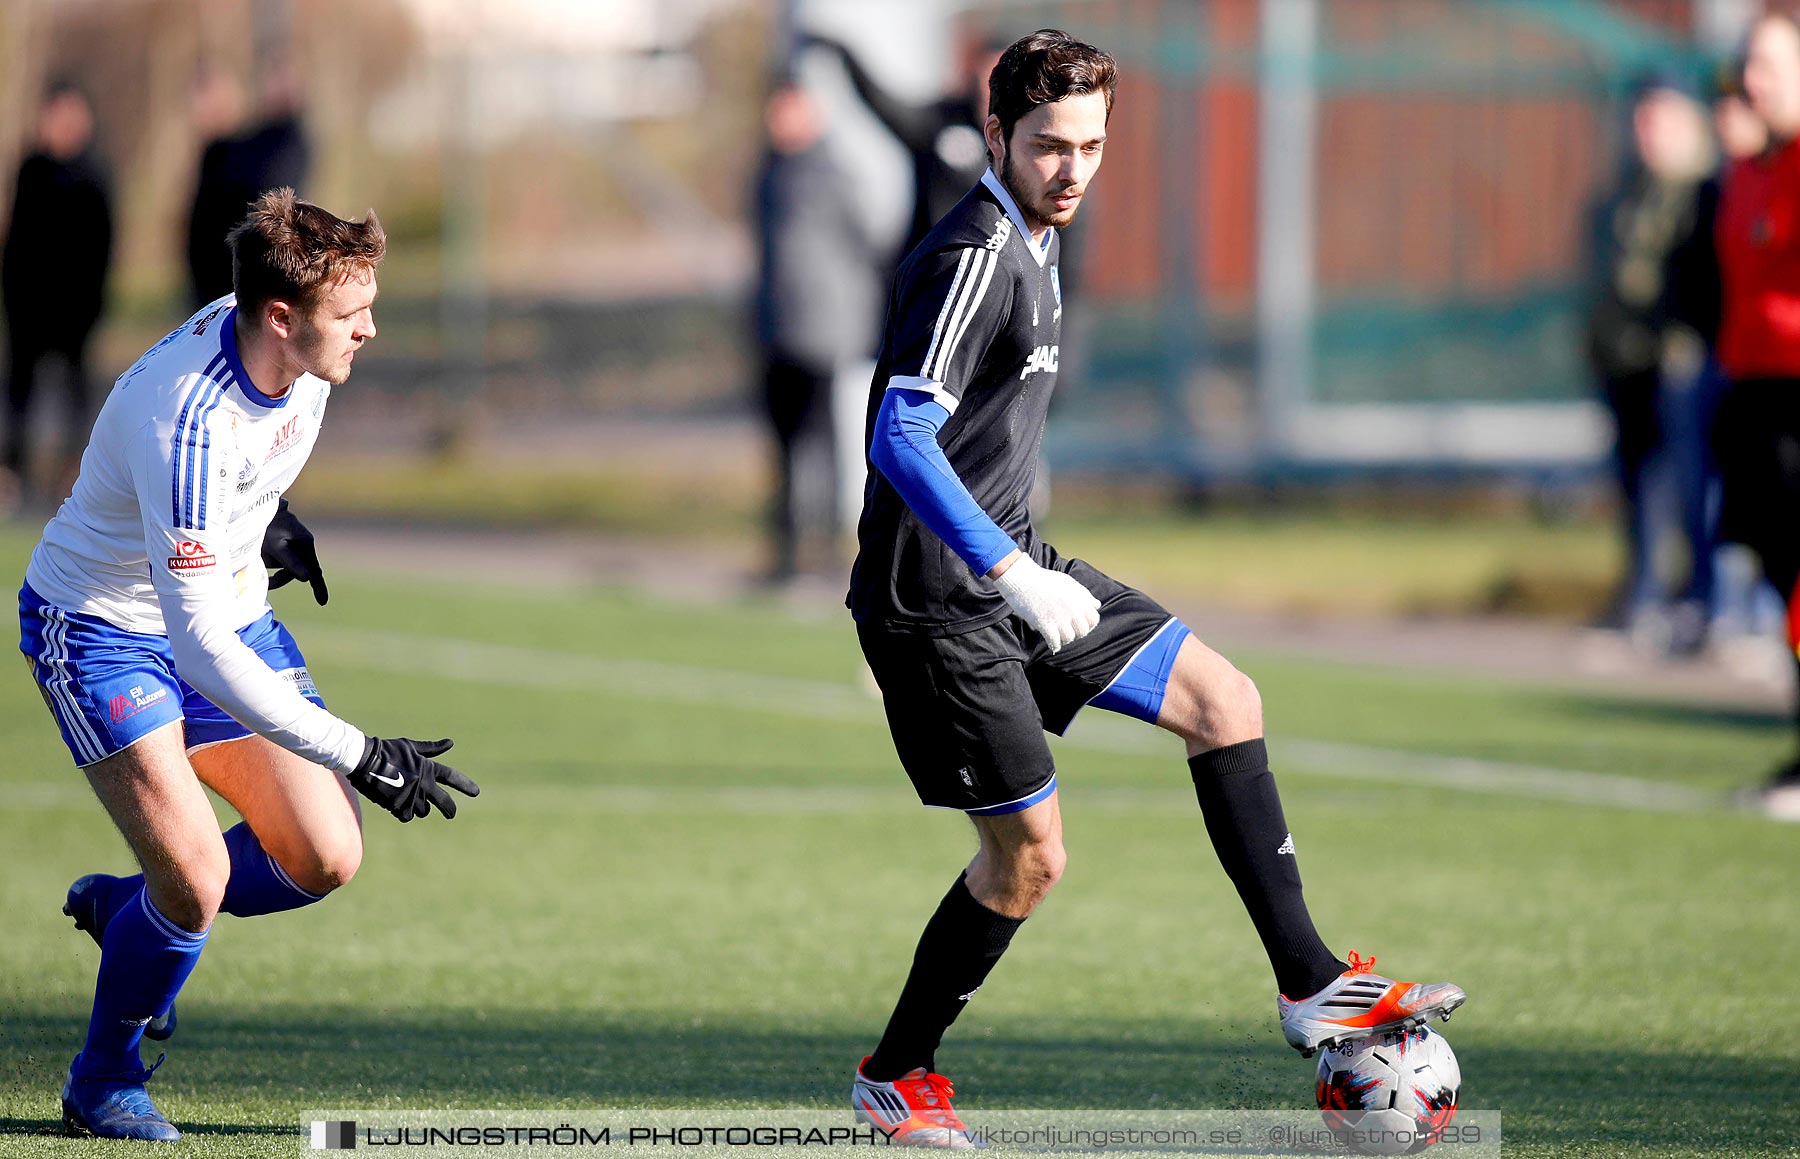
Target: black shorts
1756,442
968,712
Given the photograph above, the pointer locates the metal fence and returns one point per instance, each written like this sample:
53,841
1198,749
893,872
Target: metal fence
1348,234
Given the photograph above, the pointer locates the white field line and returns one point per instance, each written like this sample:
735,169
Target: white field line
517,666
514,666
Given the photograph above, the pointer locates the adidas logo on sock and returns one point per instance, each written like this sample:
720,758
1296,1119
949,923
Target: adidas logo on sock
1287,846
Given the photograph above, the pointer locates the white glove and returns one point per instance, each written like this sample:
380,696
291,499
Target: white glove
1056,606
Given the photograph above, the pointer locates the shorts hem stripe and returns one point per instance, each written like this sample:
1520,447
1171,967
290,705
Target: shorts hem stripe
1018,806
213,744
1126,667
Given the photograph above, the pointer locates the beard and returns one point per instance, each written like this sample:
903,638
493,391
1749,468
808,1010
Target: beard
314,354
1038,208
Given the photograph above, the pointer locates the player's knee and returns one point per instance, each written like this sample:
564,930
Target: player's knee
1035,869
1247,707
1052,860
1230,711
328,864
191,895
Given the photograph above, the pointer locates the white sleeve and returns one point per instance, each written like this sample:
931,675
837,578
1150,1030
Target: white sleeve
185,500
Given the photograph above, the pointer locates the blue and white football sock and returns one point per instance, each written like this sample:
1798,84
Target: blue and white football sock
258,884
144,959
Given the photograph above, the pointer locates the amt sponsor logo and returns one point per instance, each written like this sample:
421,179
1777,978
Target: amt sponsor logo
286,439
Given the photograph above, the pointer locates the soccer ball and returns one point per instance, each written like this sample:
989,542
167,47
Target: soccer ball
1389,1095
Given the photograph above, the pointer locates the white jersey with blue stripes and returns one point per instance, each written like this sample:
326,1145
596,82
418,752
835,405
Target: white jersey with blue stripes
163,531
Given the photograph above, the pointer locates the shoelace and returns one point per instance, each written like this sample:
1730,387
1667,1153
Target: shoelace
1360,964
143,1076
930,1097
133,1097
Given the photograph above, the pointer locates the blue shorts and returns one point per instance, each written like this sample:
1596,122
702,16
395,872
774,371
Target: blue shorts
109,688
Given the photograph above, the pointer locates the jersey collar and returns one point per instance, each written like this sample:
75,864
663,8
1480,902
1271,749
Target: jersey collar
1040,253
228,346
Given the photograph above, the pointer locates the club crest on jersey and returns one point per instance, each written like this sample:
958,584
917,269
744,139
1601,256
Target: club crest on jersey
1002,231
1043,358
1056,288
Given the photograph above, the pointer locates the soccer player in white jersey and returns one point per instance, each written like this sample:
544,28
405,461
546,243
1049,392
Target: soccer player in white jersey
146,623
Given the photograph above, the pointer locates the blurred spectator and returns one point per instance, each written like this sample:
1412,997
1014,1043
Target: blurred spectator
1740,131
943,137
945,142
1757,436
817,306
53,269
1742,605
1654,307
237,166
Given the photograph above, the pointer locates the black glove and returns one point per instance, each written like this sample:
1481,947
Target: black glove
288,546
401,777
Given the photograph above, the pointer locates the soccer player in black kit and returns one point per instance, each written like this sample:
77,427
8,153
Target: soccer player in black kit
982,637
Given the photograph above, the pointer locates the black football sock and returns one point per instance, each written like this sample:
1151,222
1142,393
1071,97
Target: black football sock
961,943
1792,772
1243,815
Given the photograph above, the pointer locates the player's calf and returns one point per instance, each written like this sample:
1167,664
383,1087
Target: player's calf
92,901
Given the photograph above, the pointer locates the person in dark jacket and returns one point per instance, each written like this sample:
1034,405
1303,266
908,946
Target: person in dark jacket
817,301
239,165
944,142
53,267
942,137
1653,308
1757,432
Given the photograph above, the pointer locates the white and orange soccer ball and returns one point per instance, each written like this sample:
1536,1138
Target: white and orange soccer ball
1389,1095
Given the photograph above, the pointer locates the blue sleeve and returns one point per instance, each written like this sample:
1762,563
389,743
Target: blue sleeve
904,448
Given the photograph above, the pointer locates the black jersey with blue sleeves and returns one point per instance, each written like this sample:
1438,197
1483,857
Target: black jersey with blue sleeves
972,323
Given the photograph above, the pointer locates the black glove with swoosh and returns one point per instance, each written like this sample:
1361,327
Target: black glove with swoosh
288,546
401,777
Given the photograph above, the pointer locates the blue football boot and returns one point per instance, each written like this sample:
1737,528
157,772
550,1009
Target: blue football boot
113,1106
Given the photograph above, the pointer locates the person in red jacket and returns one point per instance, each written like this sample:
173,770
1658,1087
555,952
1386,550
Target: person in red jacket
1757,435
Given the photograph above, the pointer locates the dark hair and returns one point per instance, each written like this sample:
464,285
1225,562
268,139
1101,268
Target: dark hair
1043,68
1665,79
292,250
1728,79
58,87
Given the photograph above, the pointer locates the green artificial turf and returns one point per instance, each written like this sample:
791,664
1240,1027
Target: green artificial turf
696,873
